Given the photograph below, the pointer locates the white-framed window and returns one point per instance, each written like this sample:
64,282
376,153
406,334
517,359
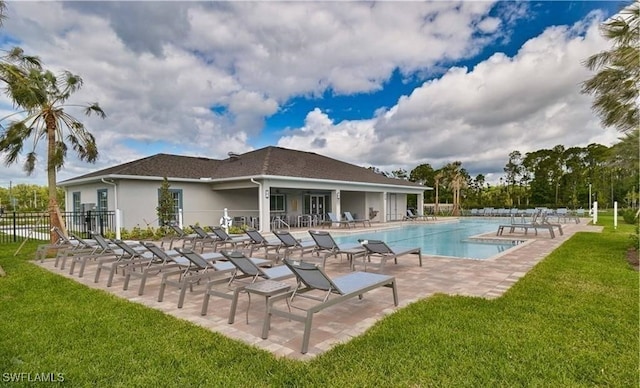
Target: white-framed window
103,200
76,201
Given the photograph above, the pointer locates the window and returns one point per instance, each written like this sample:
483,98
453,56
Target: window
77,207
176,195
76,202
103,203
278,203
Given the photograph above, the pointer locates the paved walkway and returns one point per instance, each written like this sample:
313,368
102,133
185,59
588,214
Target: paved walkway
480,278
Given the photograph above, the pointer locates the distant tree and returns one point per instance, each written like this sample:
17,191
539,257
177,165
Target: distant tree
400,174
477,186
616,85
425,175
43,97
513,170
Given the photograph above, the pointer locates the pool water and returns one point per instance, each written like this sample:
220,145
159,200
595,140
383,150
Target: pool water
443,239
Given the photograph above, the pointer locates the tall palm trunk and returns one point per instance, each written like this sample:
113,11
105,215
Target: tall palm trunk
54,212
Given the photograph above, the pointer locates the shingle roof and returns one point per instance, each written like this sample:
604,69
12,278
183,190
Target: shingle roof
273,161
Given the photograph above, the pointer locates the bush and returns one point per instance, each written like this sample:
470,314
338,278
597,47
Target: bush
628,215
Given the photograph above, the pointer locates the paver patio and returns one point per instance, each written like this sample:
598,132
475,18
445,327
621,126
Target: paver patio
488,278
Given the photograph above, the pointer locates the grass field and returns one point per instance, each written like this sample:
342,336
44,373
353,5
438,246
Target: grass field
573,321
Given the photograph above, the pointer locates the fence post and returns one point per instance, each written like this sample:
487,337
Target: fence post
15,235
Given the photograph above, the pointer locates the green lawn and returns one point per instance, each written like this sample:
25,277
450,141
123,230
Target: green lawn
572,321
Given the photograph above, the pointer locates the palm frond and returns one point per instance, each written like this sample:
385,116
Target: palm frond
30,163
95,108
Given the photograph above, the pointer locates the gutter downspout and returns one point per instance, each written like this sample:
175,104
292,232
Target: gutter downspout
259,201
115,195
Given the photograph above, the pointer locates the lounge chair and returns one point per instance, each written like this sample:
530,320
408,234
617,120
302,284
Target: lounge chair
104,251
204,239
128,257
377,248
413,217
312,279
246,272
225,239
258,241
197,270
181,235
534,224
349,217
291,244
62,242
327,245
83,246
334,220
164,261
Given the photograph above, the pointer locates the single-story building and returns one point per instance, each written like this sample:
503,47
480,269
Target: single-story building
267,188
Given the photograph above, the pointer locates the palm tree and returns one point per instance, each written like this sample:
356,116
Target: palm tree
616,85
458,183
43,97
438,177
13,65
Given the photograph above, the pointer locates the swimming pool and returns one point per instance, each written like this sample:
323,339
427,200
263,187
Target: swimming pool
442,239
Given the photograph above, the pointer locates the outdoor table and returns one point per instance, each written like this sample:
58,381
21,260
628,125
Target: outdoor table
266,288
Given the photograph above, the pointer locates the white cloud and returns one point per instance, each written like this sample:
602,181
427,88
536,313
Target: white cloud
200,78
478,116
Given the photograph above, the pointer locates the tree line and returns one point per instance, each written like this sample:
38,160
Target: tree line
27,198
556,177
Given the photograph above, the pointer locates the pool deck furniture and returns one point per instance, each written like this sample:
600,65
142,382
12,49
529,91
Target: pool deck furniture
258,241
131,257
61,242
333,219
82,247
414,217
163,260
312,279
535,226
197,269
377,248
327,245
246,272
292,244
227,240
364,221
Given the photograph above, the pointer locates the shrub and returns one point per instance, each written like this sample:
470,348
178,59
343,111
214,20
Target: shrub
628,215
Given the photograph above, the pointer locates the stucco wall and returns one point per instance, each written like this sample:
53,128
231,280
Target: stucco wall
203,203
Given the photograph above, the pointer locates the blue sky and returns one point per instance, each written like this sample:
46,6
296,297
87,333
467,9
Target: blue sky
352,107
385,84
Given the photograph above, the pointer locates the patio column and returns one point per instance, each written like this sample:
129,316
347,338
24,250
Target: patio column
264,206
421,204
335,203
385,206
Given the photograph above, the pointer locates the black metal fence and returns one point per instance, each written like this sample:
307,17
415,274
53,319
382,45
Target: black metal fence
17,226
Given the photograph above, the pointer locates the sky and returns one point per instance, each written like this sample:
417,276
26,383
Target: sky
388,84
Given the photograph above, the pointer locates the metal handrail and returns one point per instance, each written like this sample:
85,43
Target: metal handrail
280,221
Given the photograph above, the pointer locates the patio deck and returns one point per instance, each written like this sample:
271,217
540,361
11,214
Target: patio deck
488,278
